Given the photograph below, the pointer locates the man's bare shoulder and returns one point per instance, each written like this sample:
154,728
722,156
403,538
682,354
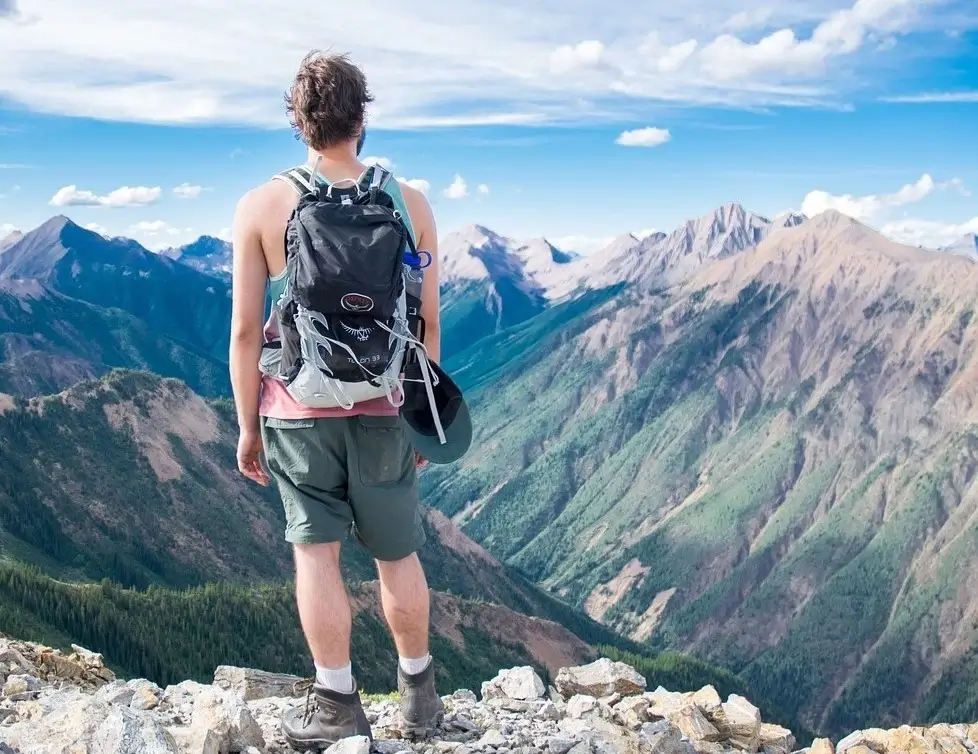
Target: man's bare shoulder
266,201
417,206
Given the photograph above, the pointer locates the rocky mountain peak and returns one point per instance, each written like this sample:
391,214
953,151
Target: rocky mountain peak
966,246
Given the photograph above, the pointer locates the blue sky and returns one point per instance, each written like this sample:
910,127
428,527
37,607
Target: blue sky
577,123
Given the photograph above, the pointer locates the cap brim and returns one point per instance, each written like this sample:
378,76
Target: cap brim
453,411
458,438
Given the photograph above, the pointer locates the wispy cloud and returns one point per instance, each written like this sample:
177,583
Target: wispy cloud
933,97
15,166
126,196
872,206
447,63
929,233
188,191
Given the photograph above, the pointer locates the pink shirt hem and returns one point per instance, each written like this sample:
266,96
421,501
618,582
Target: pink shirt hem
277,403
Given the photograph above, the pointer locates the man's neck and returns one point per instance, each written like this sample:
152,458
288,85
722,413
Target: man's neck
337,163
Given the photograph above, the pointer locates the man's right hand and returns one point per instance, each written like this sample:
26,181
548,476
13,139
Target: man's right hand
249,456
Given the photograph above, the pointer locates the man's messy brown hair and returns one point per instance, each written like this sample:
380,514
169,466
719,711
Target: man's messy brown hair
328,100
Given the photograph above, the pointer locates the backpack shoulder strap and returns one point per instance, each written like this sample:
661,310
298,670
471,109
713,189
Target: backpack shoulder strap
300,178
378,176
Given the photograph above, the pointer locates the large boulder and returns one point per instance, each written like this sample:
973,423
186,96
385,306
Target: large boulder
739,722
515,683
599,679
248,684
72,721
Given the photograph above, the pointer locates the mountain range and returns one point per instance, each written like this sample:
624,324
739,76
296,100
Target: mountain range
751,440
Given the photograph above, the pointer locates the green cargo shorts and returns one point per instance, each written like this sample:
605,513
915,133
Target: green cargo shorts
346,474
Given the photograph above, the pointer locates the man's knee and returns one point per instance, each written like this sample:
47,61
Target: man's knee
319,552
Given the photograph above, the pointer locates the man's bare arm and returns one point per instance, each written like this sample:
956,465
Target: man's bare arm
427,234
247,309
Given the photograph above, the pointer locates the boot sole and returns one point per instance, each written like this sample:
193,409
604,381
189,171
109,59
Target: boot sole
421,731
310,745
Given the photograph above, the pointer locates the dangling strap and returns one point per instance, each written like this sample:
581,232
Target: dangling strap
426,374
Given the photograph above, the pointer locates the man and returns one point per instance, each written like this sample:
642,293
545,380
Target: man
337,470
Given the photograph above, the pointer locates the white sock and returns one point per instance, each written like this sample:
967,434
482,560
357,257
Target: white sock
415,665
335,679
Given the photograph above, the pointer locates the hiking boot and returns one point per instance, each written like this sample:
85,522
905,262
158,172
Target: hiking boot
326,717
421,707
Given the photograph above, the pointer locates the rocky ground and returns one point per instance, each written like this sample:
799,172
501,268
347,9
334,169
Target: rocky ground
53,703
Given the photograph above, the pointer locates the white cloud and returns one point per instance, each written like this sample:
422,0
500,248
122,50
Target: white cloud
582,244
933,97
72,196
928,233
458,189
156,228
727,57
749,19
644,233
96,228
188,191
6,229
568,58
449,62
224,234
418,184
483,189
384,162
873,205
644,137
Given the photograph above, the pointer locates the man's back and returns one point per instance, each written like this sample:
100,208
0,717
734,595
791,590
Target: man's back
271,204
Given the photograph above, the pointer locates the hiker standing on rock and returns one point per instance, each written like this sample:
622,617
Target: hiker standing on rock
318,387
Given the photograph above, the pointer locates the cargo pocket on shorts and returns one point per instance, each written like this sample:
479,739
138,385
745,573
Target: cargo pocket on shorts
287,443
382,451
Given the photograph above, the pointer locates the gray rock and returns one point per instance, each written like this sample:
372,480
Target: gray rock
351,745
600,678
663,703
219,711
776,740
125,732
70,721
549,711
117,692
20,683
739,722
248,684
389,746
515,683
707,699
559,745
581,747
661,737
11,657
581,706
492,737
694,725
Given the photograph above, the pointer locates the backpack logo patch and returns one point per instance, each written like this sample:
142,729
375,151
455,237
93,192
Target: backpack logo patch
360,333
357,302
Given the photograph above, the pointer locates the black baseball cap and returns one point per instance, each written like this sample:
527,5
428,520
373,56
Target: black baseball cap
452,411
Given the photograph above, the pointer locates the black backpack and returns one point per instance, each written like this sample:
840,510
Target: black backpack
349,318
